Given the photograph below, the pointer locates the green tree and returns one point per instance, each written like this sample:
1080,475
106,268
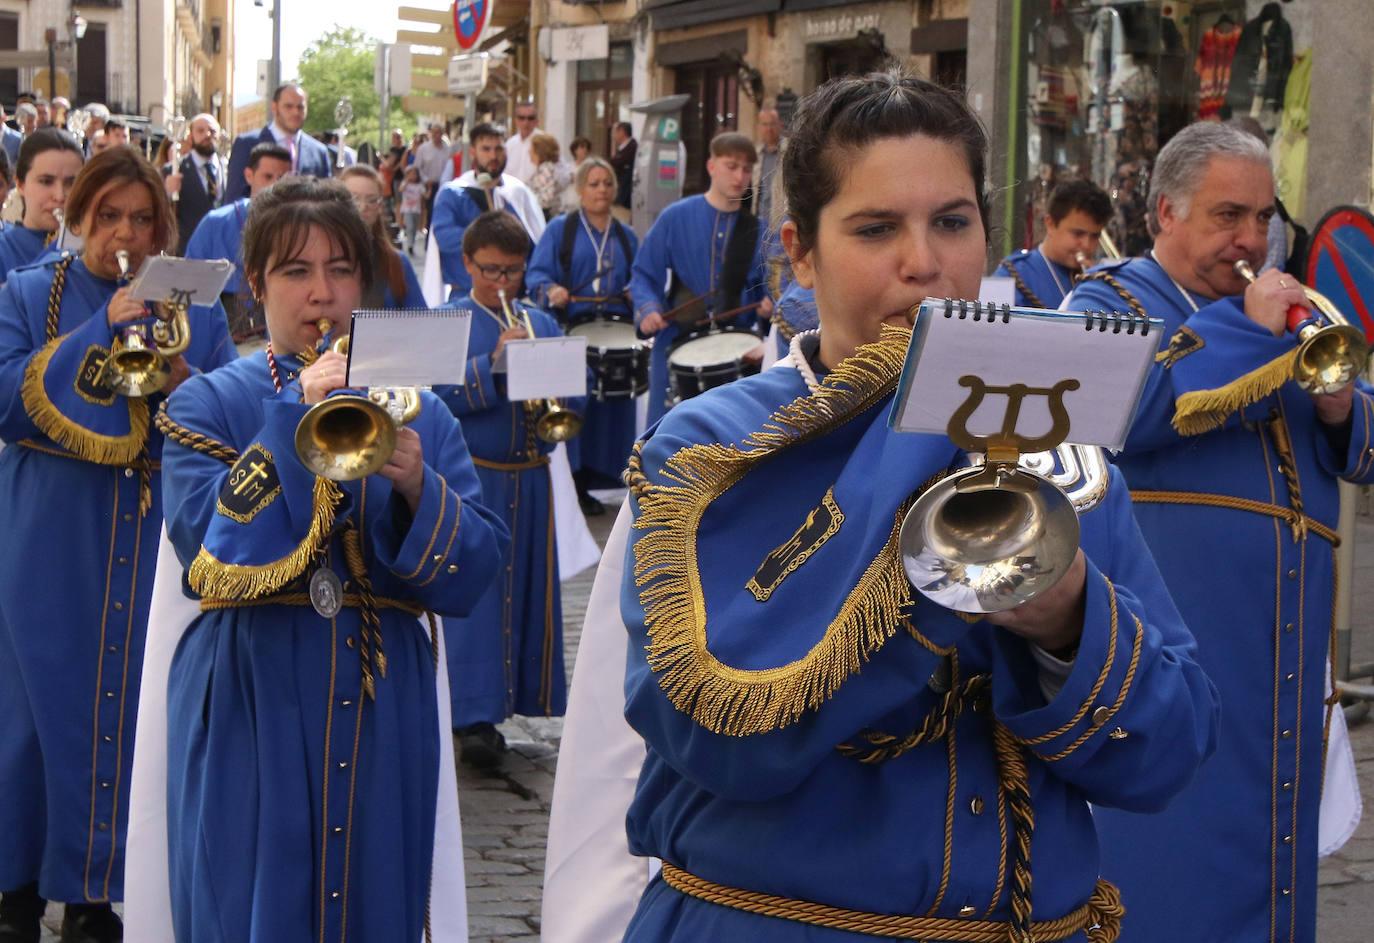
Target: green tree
342,63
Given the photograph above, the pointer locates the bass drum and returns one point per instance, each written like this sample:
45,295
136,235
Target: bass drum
700,362
618,358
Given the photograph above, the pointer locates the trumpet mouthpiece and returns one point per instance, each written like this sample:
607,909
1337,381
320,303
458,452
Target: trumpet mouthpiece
1244,270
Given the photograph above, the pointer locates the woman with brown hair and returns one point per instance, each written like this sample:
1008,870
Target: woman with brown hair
550,177
395,284
81,501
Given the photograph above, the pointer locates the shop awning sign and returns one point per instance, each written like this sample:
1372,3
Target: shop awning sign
469,20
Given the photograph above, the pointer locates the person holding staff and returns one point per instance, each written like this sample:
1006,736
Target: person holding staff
81,500
581,269
49,161
834,756
303,741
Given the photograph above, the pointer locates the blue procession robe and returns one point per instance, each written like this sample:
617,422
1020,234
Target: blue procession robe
794,313
299,806
1234,857
219,235
766,707
381,294
609,432
506,656
20,245
75,585
687,240
460,202
1040,283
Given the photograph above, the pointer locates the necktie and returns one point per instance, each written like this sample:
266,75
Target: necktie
211,186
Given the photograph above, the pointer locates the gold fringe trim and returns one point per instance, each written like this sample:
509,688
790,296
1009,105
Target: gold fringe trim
75,438
1204,410
733,701
215,579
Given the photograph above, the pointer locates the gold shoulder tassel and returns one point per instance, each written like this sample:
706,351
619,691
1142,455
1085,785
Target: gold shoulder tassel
211,577
1202,411
75,438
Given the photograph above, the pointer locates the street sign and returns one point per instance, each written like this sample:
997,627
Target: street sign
400,64
469,19
467,75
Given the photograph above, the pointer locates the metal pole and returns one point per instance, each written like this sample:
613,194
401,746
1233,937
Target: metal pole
382,138
276,47
52,69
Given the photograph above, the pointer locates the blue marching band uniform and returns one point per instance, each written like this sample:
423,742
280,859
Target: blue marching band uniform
82,502
609,430
20,245
455,208
219,235
1040,283
506,656
1259,474
693,240
800,768
303,751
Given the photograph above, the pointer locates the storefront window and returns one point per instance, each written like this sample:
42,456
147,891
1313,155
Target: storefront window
1109,83
603,95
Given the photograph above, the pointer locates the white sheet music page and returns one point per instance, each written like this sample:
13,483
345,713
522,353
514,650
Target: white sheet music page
959,350
543,367
409,347
189,281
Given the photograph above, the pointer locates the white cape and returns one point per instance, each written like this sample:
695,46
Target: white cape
147,899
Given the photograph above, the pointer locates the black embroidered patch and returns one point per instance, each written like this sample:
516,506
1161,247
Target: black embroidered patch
1184,342
89,385
820,525
253,484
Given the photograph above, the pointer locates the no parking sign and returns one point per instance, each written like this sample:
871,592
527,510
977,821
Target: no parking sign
469,19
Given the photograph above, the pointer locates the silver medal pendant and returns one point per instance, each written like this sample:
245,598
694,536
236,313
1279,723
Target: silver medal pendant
326,592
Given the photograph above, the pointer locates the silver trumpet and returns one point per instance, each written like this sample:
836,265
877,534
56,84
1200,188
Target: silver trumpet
140,366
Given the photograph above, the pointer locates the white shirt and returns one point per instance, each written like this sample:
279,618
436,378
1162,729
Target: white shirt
430,159
201,163
292,142
518,160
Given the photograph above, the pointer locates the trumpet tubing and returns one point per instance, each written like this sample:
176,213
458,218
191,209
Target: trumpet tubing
557,423
140,361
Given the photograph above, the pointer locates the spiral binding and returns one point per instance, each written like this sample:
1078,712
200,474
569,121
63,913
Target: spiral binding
1120,322
386,314
977,311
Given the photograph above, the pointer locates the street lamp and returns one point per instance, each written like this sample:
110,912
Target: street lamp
78,27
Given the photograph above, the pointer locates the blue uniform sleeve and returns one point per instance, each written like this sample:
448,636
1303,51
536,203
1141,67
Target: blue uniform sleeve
761,766
18,341
543,271
415,296
219,345
478,392
201,244
1137,715
448,221
650,270
1355,462
447,552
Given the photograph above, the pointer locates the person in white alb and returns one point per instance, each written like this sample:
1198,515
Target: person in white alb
519,161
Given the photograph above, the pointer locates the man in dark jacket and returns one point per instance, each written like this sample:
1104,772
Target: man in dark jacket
623,160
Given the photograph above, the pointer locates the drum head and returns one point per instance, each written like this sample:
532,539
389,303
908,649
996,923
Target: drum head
612,335
711,349
1340,264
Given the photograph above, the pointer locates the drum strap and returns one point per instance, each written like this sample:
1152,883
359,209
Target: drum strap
572,224
739,259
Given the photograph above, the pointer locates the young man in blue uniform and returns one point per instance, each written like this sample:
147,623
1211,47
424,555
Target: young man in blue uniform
1234,472
1077,212
713,249
220,233
506,657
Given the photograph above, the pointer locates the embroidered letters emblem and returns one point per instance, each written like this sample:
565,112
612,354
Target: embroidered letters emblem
89,385
253,484
1184,342
820,525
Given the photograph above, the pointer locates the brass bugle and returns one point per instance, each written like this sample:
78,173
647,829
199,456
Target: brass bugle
139,365
347,436
1332,352
557,423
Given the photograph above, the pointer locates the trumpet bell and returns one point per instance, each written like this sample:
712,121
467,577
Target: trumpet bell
135,369
345,437
1330,358
558,425
985,540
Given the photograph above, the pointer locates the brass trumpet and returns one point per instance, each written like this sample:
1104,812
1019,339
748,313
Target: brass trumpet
139,364
557,424
1332,353
348,436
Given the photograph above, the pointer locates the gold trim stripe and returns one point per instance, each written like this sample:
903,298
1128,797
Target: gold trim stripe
82,442
1202,498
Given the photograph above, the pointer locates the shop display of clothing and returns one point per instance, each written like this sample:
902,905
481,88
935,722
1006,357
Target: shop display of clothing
1215,55
1290,145
1264,57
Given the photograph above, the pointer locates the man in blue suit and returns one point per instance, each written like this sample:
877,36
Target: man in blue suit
308,156
198,178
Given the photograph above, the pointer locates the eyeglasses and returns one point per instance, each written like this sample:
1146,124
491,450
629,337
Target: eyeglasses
496,273
368,200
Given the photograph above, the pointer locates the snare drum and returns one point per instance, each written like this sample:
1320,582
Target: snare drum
702,361
618,358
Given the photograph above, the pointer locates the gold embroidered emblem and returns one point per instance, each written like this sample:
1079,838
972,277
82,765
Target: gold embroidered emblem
89,385
1184,342
253,484
820,525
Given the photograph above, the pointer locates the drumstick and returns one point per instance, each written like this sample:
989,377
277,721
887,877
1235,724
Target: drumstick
728,314
605,269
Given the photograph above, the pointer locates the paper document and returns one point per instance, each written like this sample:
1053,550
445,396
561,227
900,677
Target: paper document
997,290
961,351
544,367
413,347
184,281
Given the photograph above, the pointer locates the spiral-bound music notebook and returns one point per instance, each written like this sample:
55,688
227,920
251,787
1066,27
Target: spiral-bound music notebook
1108,354
409,347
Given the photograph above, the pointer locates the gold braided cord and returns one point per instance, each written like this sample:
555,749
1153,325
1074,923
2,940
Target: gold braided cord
349,601
1014,778
82,442
1031,297
370,634
37,446
1100,917
879,747
209,576
59,282
1114,283
537,462
1202,498
634,476
1288,468
1199,411
193,440
720,697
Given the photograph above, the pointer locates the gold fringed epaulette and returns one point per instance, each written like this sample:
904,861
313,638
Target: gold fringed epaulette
1202,411
213,578
75,438
739,702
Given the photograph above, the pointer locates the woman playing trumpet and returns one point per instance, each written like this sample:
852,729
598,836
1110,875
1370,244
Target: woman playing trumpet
81,499
303,727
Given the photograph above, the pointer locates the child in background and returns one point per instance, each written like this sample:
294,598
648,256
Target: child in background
412,204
